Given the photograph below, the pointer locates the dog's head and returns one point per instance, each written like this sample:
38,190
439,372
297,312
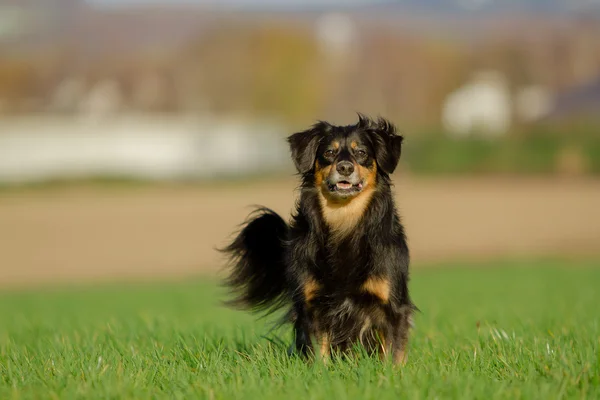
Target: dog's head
346,160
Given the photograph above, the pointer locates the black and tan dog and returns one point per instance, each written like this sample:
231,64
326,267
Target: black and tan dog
341,266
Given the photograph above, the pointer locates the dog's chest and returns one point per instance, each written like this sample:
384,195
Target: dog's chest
350,311
373,289
346,263
347,272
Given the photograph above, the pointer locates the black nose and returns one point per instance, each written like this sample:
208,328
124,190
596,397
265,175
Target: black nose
345,168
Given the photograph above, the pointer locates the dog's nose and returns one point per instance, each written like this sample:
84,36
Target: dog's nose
345,168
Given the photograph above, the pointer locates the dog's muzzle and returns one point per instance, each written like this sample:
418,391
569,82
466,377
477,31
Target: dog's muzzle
344,180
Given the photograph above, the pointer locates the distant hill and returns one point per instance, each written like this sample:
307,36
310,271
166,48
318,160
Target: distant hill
434,6
94,31
74,25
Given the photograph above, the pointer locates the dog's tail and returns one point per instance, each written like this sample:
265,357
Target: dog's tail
257,263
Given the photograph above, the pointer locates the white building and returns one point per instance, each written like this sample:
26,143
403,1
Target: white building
533,103
481,106
336,34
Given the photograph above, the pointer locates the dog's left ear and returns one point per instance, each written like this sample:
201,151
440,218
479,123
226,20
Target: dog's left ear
304,146
388,145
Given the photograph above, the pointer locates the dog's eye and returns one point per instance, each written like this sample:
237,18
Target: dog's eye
328,153
361,153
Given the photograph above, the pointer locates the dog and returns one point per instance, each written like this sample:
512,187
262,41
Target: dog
340,268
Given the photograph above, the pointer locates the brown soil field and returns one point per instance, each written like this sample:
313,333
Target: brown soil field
93,233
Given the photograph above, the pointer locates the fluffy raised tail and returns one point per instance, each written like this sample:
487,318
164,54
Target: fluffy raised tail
257,263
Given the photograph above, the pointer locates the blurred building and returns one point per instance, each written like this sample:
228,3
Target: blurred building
483,105
134,146
533,102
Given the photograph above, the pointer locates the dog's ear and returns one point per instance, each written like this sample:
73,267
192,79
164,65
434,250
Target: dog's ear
304,146
387,143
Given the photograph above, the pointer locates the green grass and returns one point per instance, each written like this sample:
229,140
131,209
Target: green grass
506,330
535,152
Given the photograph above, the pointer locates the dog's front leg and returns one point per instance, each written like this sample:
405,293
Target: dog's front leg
385,341
311,338
302,340
401,331
323,345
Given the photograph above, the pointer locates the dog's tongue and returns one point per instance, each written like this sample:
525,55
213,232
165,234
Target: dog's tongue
344,185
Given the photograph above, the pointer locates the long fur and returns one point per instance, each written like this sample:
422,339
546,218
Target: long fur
257,254
337,290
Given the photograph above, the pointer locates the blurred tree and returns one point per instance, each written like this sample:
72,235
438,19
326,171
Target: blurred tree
18,79
265,70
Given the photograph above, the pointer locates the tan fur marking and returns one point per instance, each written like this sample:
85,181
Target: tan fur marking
342,218
325,347
321,174
353,145
336,145
400,357
378,287
368,174
343,215
310,289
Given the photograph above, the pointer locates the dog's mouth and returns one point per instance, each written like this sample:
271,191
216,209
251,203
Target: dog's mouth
345,187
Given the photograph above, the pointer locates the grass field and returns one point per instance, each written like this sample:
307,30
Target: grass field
503,330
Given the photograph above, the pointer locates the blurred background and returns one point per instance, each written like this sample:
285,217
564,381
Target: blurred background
135,134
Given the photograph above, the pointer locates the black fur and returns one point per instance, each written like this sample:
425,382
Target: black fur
273,262
258,276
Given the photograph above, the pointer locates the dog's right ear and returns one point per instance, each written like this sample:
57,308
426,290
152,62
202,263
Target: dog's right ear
304,146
